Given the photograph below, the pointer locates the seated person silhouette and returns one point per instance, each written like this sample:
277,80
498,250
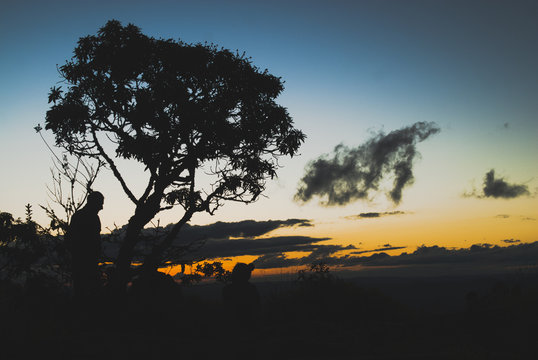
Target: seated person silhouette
85,244
241,298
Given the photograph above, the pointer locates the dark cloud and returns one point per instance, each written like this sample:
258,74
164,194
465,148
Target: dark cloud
502,216
511,241
350,174
499,188
370,215
385,247
245,228
216,248
479,254
220,239
281,260
322,253
476,255
278,260
226,239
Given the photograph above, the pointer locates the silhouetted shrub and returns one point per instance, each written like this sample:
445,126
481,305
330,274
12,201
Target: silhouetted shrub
29,251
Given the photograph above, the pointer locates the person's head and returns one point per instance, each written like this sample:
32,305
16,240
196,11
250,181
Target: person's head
95,201
241,272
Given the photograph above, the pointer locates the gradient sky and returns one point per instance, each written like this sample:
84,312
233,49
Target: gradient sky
351,68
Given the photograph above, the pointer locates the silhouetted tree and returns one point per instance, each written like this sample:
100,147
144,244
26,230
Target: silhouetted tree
180,110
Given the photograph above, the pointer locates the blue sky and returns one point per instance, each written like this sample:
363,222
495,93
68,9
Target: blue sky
350,69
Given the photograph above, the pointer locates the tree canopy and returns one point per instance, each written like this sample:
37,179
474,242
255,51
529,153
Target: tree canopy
176,108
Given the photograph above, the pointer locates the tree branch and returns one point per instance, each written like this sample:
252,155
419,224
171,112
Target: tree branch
151,182
114,169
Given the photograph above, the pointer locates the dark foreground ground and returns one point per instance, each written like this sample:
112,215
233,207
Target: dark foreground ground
436,317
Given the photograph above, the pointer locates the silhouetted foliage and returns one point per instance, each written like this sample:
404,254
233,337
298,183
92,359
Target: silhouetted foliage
180,110
317,272
205,270
28,252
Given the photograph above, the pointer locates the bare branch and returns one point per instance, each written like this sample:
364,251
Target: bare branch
150,185
114,169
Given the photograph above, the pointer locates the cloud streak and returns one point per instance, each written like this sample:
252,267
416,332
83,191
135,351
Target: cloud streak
374,215
384,248
240,229
324,254
350,174
511,241
216,248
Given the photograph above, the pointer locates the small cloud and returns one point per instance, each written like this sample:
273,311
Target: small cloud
366,215
373,215
502,216
527,218
506,125
511,241
499,188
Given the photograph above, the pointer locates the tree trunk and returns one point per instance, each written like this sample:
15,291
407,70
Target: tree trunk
143,214
123,262
152,261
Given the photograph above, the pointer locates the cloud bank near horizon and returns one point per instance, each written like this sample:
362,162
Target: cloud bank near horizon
350,174
516,254
223,240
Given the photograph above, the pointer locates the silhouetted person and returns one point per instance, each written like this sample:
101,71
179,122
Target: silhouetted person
241,298
85,244
242,304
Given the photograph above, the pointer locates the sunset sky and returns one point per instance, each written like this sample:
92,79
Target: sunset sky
352,69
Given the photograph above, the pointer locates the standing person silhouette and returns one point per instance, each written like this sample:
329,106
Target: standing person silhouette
241,298
243,310
84,236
